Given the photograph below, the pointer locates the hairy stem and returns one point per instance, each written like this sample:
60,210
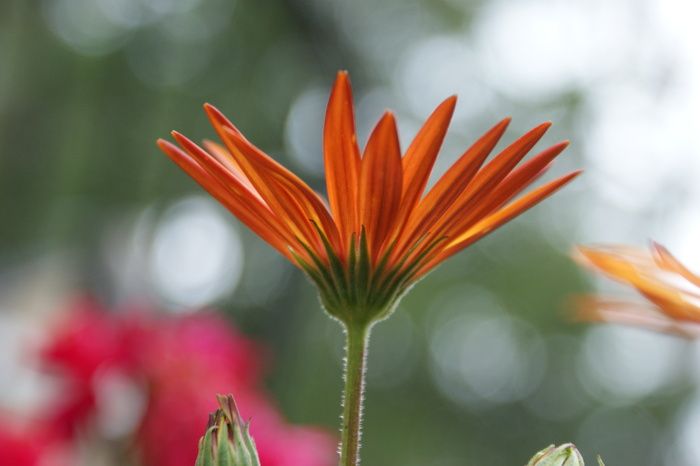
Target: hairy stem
353,395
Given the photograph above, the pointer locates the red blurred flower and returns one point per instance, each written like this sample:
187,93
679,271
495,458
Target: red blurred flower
181,363
191,359
18,448
86,342
30,444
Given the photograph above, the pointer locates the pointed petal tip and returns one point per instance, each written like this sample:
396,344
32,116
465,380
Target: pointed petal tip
658,246
170,149
501,126
183,140
451,101
558,148
216,115
179,137
446,108
388,116
544,126
212,111
537,132
661,251
163,144
504,122
540,129
342,78
570,176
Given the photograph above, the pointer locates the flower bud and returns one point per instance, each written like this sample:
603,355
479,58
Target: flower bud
563,455
227,441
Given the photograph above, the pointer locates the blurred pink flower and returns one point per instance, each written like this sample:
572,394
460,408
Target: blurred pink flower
181,363
30,444
87,341
18,448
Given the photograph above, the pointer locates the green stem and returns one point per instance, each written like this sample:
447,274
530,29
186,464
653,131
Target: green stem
353,395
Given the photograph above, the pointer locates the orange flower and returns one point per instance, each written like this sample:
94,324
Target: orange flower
381,233
671,290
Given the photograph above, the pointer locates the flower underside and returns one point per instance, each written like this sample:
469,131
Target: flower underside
379,232
359,290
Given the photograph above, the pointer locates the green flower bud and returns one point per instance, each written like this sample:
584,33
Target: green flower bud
227,441
563,455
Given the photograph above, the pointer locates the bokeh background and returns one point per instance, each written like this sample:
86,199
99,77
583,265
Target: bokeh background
481,363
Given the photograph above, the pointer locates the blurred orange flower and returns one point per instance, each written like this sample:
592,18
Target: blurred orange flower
672,291
381,233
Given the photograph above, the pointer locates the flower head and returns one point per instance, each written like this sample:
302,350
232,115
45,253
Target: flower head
671,290
227,441
18,449
380,232
563,455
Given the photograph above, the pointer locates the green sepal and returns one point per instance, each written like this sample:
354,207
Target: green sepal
224,450
363,267
356,290
352,264
329,292
336,265
206,452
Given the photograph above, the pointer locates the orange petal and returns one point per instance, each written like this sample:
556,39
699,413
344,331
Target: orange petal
420,157
247,208
509,187
219,121
499,218
482,184
492,174
264,174
342,157
380,183
275,178
667,261
670,300
227,160
589,308
296,227
641,272
450,186
626,265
